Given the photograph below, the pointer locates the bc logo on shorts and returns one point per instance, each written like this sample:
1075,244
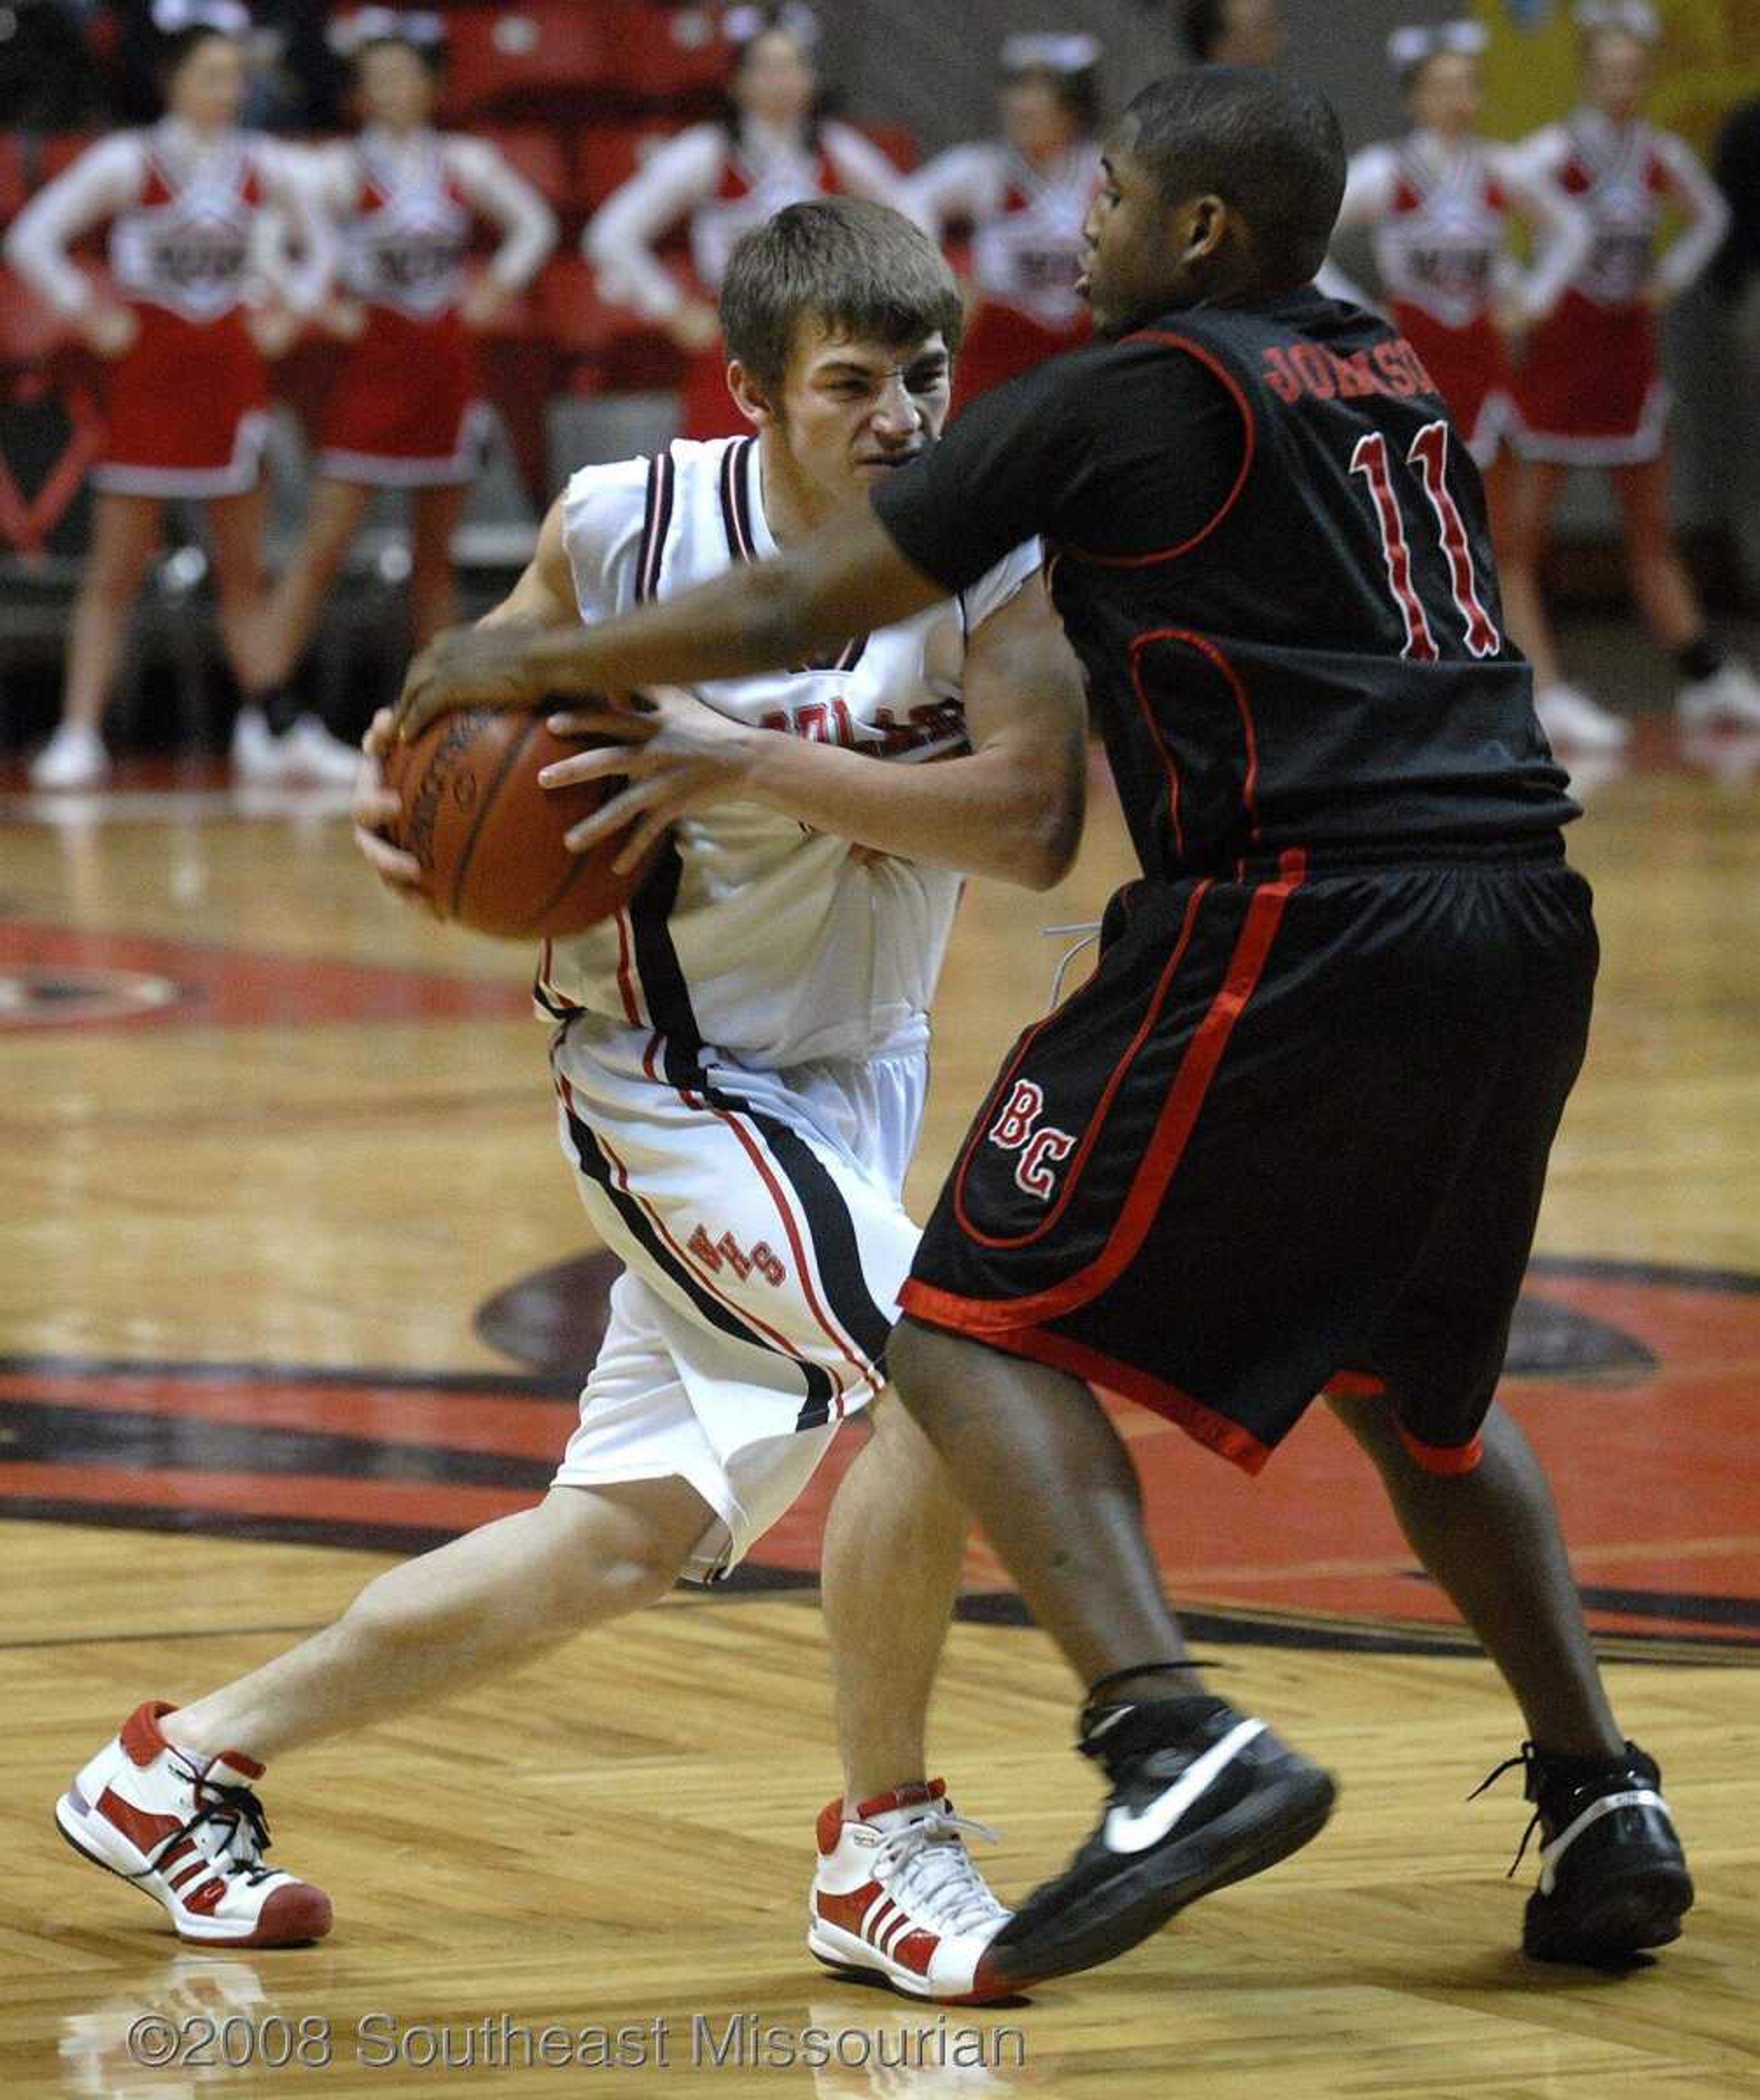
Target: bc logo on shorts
1042,1146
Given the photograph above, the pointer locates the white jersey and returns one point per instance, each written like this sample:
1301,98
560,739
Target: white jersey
1026,222
405,208
1440,214
1623,177
753,934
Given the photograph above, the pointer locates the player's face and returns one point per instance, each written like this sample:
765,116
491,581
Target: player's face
1445,96
396,87
1035,121
1252,34
775,82
853,411
207,91
1134,265
1616,73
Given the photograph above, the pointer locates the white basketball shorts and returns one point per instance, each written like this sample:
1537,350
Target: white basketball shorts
759,1221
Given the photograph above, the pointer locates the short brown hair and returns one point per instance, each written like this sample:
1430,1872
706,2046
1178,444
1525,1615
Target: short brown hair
857,267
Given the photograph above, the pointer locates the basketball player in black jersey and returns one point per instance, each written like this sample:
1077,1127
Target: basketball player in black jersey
1291,1136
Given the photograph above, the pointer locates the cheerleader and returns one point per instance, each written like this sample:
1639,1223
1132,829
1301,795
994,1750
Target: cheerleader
768,151
404,412
1589,393
1440,201
203,292
1024,196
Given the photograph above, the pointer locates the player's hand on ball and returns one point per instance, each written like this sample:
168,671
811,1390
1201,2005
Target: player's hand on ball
375,805
506,663
677,753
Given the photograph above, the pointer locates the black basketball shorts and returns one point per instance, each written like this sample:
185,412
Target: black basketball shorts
1292,1133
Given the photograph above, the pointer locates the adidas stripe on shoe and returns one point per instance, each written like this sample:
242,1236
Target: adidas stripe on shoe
189,1832
896,1895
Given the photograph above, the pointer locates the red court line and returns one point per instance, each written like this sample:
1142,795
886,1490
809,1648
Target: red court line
313,1496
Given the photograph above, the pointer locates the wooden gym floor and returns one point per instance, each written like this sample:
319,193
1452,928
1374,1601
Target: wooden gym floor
280,1193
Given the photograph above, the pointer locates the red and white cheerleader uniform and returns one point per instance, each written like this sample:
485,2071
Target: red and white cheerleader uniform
1438,211
198,231
405,411
1590,391
1026,252
726,185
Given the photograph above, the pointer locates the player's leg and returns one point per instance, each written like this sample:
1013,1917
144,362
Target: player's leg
168,1802
760,1213
581,1557
890,1570
124,532
433,596
1032,1455
1613,1876
1490,1537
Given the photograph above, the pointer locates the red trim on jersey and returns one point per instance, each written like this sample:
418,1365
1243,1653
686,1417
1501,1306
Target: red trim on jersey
940,1308
1249,445
1173,1127
1096,1121
704,1275
1169,767
1237,686
851,1355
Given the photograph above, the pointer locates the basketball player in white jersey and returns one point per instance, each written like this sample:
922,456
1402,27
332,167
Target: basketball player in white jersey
739,1063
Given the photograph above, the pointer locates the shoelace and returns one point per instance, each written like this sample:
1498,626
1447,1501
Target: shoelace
927,1870
1529,1759
239,1809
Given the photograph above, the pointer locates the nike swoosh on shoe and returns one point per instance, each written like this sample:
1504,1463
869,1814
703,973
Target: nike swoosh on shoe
1135,1830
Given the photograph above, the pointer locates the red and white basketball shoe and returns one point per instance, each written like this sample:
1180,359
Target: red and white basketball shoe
189,1832
895,1894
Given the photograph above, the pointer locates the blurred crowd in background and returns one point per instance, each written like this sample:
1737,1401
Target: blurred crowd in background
295,265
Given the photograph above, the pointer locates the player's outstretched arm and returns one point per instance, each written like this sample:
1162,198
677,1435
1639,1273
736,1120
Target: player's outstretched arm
848,578
1011,809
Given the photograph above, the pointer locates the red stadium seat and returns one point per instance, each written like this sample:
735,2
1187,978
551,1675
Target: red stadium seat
617,348
607,155
549,56
667,57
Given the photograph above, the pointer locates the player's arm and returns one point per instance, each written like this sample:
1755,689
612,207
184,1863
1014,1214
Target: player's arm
1012,808
997,479
849,578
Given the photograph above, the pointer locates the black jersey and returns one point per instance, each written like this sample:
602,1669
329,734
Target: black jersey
1269,548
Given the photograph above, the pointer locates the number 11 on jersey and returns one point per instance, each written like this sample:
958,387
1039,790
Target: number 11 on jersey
1429,458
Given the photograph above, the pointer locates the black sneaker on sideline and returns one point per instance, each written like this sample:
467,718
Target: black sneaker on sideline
1613,1879
1183,1819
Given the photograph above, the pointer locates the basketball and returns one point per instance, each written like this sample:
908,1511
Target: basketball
490,839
